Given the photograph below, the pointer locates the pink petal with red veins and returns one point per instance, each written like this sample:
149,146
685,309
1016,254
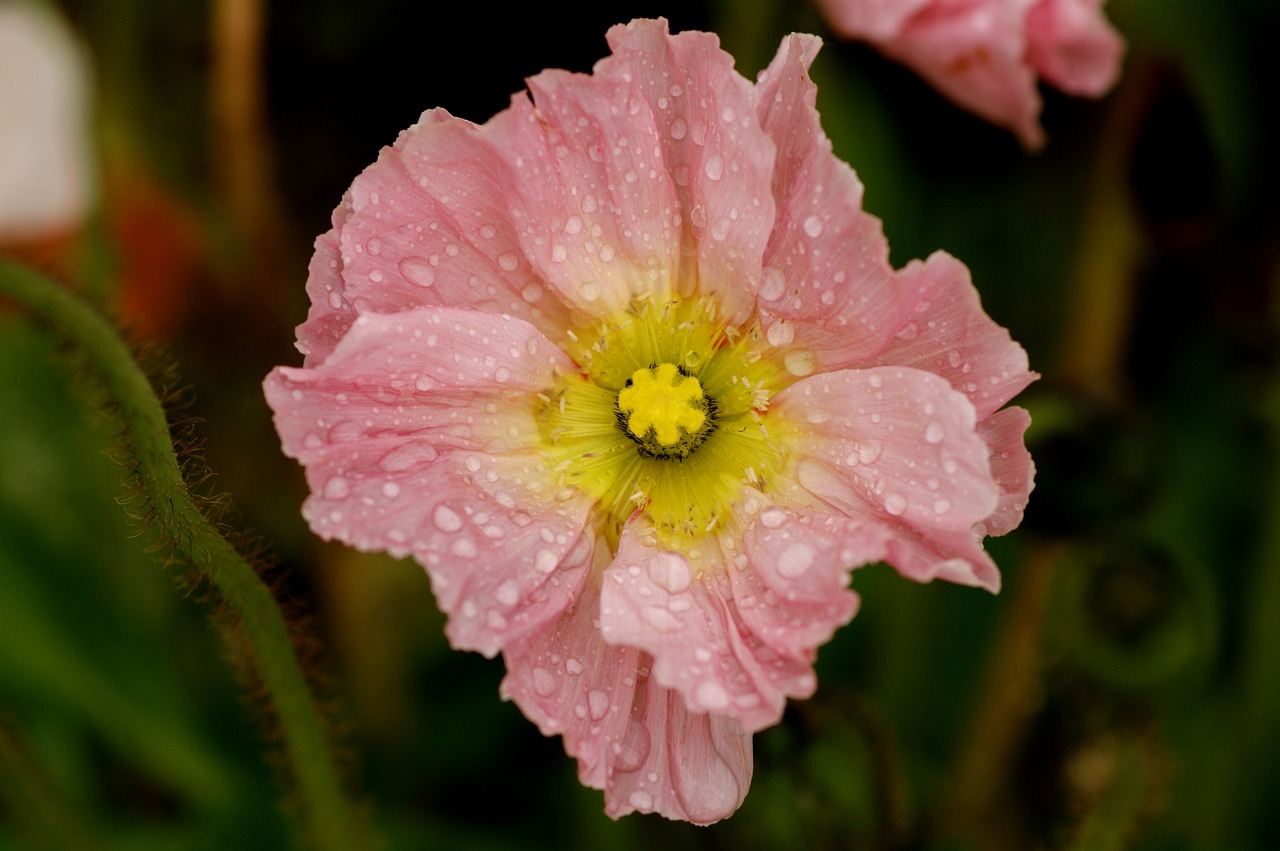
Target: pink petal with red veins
898,446
416,435
712,145
733,641
631,737
1072,46
827,286
430,225
1011,465
948,333
330,315
595,209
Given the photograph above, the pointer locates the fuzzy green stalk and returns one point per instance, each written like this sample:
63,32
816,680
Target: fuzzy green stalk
329,815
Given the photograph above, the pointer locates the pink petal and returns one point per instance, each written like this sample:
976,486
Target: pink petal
974,53
632,738
873,20
330,314
595,209
828,286
949,334
1011,465
738,641
714,148
429,224
794,593
1072,46
901,447
418,437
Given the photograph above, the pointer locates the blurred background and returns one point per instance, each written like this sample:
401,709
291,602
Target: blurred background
1123,691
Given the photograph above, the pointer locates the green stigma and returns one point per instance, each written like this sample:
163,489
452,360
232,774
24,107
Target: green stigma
665,411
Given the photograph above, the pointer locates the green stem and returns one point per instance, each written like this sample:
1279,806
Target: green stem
329,814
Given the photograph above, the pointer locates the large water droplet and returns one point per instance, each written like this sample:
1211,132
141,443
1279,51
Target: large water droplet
446,519
772,284
714,167
781,333
408,456
711,695
633,749
598,704
337,488
417,271
670,572
800,362
895,504
508,261
795,560
544,682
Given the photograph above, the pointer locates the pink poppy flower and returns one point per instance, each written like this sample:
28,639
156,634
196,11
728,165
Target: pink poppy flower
985,55
627,369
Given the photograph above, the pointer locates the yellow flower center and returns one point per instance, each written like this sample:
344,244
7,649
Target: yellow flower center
664,410
665,416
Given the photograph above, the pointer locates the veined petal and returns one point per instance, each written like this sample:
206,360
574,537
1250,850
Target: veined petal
417,436
948,333
870,19
895,445
330,314
712,144
719,634
632,738
429,224
595,209
827,282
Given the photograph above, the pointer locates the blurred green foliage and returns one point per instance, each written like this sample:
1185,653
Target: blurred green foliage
1122,692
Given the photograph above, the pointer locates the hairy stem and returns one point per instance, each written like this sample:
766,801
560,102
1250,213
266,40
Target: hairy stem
329,815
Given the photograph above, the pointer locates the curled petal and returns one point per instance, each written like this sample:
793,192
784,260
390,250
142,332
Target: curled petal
1011,465
632,738
827,284
899,446
1072,46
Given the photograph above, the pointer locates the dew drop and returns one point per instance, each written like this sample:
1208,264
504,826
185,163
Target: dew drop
795,560
781,333
772,284
895,504
390,490
661,619
634,749
813,226
446,519
641,800
714,167
679,129
800,362
589,290
711,695
934,433
337,488
598,704
773,517
508,593
942,506
670,572
417,271
508,261
407,457
544,682
375,275
546,560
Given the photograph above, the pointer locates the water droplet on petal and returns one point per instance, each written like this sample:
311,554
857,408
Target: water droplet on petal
895,504
337,488
508,261
508,593
598,704
417,271
589,290
679,129
772,284
781,333
546,560
670,572
800,362
773,517
934,433
446,519
714,167
544,682
795,560
813,226
641,800
711,695
661,619
634,749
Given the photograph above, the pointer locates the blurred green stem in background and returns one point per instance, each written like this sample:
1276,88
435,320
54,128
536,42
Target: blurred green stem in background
329,814
42,817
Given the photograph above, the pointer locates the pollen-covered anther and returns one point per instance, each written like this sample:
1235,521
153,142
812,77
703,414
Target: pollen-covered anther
664,410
